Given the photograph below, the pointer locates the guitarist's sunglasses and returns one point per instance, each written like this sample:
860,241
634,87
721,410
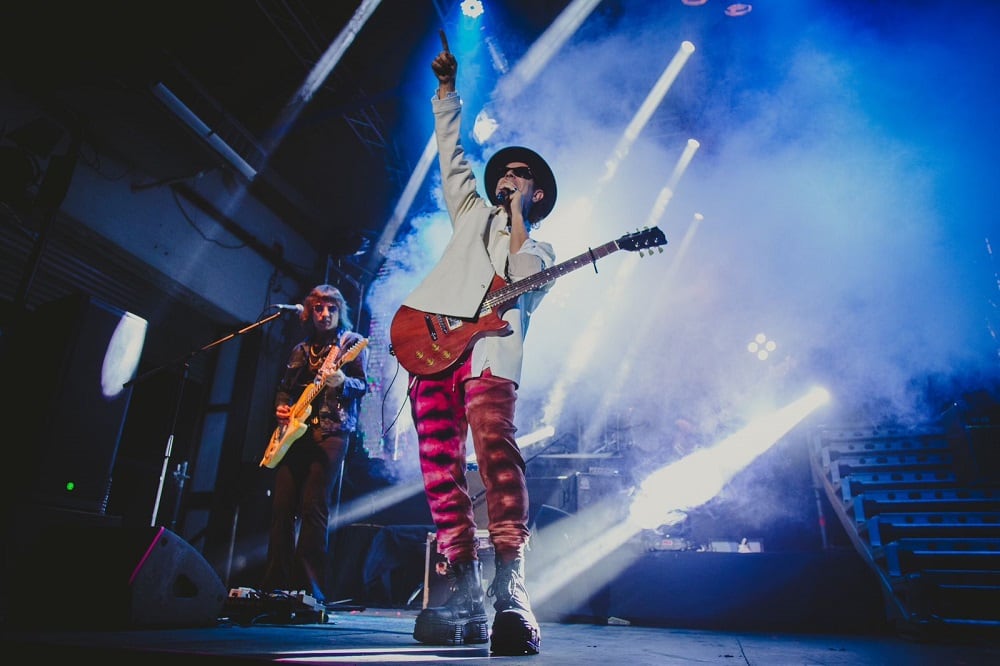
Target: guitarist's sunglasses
521,172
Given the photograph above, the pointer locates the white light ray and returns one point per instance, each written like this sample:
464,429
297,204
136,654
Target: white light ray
402,208
667,193
697,478
663,496
319,73
645,112
374,502
684,245
335,52
543,50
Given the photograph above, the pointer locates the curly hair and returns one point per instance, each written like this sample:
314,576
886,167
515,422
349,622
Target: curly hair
325,292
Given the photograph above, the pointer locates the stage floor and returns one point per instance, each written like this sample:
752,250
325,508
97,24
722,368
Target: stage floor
383,636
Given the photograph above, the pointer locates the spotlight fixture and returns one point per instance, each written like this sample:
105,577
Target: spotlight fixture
484,127
761,346
472,8
497,57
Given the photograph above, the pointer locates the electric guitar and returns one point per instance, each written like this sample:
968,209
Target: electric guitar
427,343
285,435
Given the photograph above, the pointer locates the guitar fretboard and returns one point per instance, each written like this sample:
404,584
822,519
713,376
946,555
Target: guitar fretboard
512,291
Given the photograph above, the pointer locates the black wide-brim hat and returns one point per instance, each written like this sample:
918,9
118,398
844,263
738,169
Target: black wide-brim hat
544,179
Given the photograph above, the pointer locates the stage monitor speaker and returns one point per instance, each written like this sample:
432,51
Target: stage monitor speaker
112,577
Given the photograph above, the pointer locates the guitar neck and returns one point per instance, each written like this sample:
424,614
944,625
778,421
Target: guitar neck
308,395
310,392
510,292
333,362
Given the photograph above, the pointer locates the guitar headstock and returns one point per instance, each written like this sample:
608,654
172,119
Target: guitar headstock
643,239
338,356
351,352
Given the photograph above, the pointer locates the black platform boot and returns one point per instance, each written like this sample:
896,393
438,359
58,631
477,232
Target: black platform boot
462,618
515,629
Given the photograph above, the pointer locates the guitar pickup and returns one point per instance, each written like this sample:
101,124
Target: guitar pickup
430,327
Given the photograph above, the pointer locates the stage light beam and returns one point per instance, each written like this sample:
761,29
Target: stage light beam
661,499
665,495
645,112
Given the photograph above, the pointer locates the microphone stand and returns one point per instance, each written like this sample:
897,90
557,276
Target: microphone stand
186,361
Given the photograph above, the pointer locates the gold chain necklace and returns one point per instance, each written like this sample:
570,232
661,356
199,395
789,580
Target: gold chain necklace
316,355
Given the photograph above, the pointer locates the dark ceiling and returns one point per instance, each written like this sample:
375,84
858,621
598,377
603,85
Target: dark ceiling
338,169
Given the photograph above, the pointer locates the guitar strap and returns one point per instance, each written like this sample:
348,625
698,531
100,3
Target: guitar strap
486,244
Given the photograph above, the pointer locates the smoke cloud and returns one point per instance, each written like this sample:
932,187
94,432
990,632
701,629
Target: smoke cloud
840,203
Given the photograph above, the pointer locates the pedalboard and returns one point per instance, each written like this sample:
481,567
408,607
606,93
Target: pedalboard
245,605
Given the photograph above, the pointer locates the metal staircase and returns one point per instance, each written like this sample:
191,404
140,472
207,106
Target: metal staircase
922,507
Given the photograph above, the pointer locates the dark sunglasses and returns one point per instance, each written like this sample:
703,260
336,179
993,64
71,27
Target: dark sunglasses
521,172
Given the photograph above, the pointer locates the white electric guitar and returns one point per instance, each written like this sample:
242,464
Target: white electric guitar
285,435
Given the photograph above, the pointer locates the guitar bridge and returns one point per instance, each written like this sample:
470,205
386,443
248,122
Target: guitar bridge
449,324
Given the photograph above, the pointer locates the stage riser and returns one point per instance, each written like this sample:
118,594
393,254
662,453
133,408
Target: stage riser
826,591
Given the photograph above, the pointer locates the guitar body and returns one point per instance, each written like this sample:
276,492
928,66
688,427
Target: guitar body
283,437
426,343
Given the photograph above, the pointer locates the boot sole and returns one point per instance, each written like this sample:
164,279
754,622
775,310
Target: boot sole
513,636
467,632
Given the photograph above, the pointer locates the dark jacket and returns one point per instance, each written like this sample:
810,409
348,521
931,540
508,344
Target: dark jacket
334,410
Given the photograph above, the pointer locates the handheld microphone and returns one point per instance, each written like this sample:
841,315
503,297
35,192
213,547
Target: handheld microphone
284,306
504,194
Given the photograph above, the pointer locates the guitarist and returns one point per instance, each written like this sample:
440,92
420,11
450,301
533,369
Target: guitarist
307,476
490,236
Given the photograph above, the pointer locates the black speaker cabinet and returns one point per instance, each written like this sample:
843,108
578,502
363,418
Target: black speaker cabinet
551,491
71,359
554,491
115,577
592,489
